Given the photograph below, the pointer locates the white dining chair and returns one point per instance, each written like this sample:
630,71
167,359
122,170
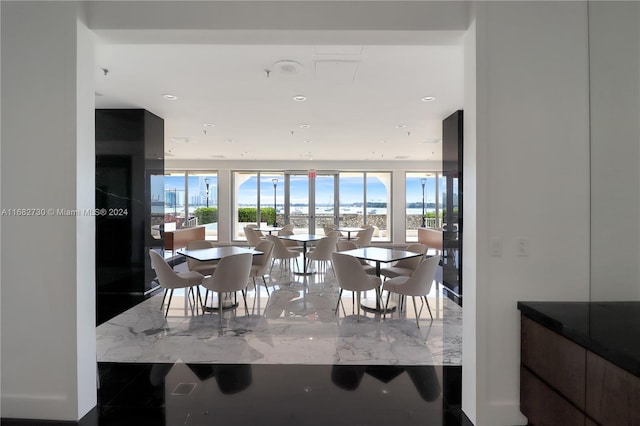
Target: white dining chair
261,262
352,277
203,267
322,252
171,280
345,245
405,267
418,284
231,276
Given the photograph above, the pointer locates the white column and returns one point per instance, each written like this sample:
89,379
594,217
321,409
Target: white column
47,270
530,181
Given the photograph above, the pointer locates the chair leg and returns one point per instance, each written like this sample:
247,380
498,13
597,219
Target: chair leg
428,307
168,303
338,304
415,309
244,296
266,286
386,305
220,307
358,308
164,296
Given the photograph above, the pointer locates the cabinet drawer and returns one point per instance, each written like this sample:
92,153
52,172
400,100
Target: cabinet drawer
613,394
543,406
555,359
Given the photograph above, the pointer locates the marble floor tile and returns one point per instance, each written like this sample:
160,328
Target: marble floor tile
295,324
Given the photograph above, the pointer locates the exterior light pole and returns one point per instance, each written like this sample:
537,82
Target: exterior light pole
275,210
206,183
423,181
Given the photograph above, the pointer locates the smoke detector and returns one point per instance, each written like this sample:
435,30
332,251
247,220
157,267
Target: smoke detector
287,67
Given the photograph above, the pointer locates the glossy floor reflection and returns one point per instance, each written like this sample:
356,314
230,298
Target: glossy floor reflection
242,394
294,324
287,360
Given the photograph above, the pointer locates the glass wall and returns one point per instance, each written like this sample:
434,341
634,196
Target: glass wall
254,200
423,202
191,198
368,203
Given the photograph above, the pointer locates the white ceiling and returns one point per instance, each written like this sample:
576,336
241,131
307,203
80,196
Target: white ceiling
356,98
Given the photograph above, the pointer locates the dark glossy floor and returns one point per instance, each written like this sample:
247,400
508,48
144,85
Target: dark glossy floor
242,394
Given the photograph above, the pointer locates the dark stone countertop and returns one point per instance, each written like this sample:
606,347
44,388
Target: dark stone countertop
608,329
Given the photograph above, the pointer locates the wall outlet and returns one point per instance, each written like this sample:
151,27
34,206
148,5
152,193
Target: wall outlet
523,247
495,247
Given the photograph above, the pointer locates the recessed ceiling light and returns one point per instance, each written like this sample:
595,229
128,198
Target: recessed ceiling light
400,126
299,98
401,157
208,125
428,99
169,97
427,141
180,140
305,126
229,140
217,156
307,141
385,141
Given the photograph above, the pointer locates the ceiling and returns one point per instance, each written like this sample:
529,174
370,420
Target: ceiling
235,102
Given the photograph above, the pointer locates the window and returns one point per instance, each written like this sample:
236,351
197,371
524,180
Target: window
368,203
254,200
423,204
191,198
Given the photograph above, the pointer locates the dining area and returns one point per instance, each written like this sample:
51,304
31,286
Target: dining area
281,273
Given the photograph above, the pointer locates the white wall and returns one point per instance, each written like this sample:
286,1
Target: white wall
531,180
226,168
614,42
48,313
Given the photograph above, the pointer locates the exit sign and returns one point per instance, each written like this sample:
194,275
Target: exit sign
312,174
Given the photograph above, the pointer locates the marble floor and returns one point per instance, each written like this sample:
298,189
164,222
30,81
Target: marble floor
295,324
287,360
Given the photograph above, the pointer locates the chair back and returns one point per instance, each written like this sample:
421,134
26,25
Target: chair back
420,282
288,227
413,262
195,245
334,234
260,262
328,228
253,238
280,251
350,274
325,247
345,245
288,243
166,275
364,237
232,274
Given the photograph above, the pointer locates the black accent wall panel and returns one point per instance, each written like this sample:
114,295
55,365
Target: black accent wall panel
129,151
452,150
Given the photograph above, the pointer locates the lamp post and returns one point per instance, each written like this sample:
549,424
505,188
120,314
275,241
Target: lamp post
423,181
275,210
206,183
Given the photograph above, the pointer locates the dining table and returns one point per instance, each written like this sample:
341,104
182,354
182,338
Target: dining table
216,253
268,229
380,255
304,239
349,230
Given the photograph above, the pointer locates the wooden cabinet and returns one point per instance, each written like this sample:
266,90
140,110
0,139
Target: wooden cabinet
562,383
613,394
